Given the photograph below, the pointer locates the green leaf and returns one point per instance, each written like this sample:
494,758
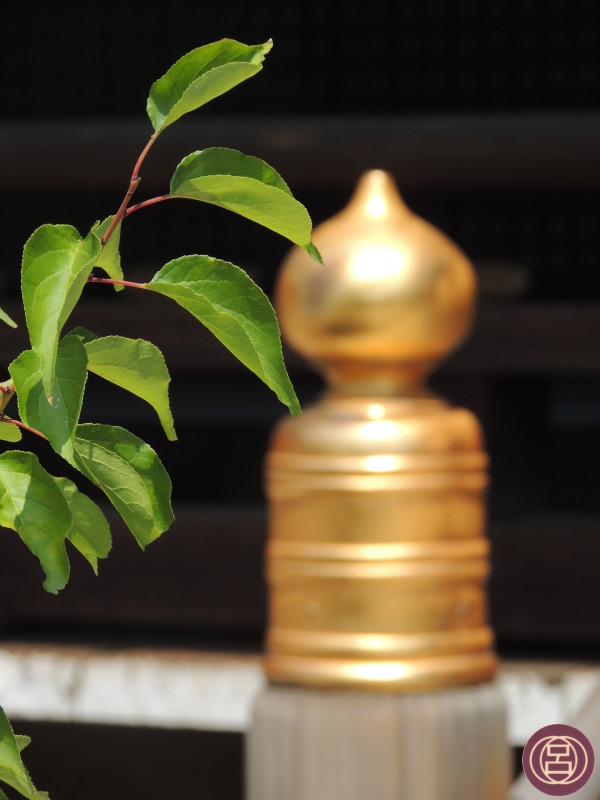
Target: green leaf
130,474
12,768
137,366
56,420
28,495
200,76
83,334
110,259
56,265
90,531
249,187
9,432
235,310
5,318
313,252
22,741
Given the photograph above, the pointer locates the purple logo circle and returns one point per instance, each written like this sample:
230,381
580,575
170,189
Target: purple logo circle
558,760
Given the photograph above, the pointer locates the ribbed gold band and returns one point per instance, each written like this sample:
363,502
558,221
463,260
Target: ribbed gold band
388,646
385,675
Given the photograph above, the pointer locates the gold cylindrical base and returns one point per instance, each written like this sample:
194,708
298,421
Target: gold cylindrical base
377,561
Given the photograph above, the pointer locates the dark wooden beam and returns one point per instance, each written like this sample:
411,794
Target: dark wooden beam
433,152
204,575
119,761
541,339
204,580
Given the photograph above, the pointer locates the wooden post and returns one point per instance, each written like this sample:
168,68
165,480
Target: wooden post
379,655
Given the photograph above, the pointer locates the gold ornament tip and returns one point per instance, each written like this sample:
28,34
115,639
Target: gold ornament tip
376,197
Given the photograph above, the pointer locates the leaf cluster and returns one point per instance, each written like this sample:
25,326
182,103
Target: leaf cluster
49,378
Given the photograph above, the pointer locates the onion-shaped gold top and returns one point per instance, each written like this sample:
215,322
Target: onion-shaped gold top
394,297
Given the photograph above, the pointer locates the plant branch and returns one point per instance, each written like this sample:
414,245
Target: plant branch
144,203
143,154
112,282
133,184
20,424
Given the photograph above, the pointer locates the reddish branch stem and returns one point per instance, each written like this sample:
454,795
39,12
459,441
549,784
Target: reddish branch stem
20,424
149,202
133,184
112,282
143,154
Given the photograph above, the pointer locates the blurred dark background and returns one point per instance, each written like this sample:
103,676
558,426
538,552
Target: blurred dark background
487,114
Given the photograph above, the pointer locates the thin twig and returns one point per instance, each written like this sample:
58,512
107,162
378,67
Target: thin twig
145,203
114,282
133,184
20,424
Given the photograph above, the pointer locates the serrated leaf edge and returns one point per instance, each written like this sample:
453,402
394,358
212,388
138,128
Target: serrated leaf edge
195,153
225,311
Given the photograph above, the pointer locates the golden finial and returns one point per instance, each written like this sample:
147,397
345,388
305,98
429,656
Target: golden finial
377,560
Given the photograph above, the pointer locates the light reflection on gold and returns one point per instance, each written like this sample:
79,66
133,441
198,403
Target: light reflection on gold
375,411
385,672
377,562
379,464
377,206
378,430
377,263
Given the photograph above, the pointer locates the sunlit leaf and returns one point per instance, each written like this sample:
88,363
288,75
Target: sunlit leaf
90,531
56,420
224,299
28,494
135,365
56,265
130,474
22,741
12,769
249,187
200,76
5,318
110,259
9,432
